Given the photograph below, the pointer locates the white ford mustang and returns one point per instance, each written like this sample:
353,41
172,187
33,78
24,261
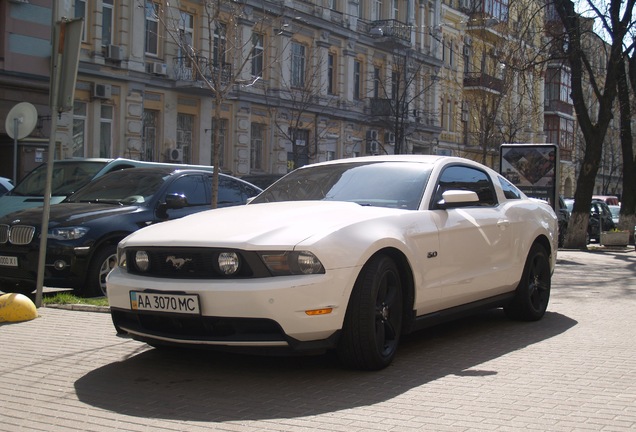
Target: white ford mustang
345,255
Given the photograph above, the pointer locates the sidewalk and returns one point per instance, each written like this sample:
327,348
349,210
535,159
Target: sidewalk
572,371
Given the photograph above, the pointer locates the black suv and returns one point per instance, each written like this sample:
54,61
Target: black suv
600,220
85,228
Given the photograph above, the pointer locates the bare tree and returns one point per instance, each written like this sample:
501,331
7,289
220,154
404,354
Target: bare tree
300,101
218,59
593,125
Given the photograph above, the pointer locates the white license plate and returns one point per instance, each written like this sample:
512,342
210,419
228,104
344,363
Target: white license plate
171,303
8,261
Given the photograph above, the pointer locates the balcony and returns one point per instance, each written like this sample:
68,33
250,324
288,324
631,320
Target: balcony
392,31
482,81
558,106
197,68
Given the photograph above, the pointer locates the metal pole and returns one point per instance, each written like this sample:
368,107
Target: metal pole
16,122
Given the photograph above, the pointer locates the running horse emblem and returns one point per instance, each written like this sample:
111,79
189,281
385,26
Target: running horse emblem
177,263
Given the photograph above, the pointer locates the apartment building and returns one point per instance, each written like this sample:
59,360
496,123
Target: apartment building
277,84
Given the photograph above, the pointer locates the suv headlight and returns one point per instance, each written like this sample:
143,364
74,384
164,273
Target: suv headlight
68,233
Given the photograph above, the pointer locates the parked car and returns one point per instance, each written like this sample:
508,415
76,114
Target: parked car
68,176
615,210
85,228
5,185
600,220
607,199
346,255
563,216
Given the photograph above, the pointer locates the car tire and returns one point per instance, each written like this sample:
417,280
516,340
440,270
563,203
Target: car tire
101,264
373,323
533,292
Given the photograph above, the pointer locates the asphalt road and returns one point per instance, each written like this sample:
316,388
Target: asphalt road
572,371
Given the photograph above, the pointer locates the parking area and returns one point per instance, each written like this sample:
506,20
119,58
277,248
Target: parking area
572,371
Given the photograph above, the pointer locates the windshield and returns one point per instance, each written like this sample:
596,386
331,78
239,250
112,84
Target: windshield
121,187
68,176
386,184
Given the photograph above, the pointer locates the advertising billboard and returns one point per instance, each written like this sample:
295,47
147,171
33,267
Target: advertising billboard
533,168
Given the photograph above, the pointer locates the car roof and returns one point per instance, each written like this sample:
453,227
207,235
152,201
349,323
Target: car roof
426,159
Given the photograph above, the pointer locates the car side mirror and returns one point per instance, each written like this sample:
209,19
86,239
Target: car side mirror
176,201
457,198
173,201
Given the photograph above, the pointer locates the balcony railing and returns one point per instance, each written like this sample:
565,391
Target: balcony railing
482,80
558,106
198,68
392,29
381,107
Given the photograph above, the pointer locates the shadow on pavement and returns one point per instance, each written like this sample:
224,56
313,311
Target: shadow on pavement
210,386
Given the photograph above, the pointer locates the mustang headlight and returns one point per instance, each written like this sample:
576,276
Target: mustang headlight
228,263
292,263
67,233
142,261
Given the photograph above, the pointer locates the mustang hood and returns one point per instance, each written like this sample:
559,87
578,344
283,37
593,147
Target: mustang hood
281,224
68,214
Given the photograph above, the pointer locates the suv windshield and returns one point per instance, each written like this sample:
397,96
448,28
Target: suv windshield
122,187
68,176
386,184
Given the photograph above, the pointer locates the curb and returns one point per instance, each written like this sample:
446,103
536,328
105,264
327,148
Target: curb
80,307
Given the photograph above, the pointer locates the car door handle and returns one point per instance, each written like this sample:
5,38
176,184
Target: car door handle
503,224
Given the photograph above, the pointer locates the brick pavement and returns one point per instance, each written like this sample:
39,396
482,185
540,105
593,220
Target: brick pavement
572,371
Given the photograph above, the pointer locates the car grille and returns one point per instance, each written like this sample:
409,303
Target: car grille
188,328
193,263
17,234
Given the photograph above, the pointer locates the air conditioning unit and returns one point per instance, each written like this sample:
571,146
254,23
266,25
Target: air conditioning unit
389,137
466,50
372,135
102,91
373,147
175,154
159,68
115,52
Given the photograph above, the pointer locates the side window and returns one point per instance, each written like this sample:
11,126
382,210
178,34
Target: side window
193,187
510,191
230,192
466,178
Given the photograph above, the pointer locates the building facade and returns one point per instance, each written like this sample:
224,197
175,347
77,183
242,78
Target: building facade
278,84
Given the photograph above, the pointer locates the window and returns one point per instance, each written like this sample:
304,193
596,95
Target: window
107,22
257,55
185,127
331,64
376,10
186,34
376,82
395,10
466,178
80,12
357,79
150,138
194,188
510,191
79,129
105,131
333,4
218,54
256,146
297,65
152,28
449,113
497,9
